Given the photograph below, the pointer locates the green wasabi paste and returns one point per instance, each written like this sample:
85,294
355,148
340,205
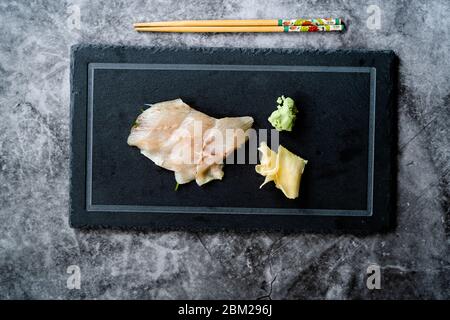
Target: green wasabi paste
284,117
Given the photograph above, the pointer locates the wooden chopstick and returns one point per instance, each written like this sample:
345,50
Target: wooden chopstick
328,28
208,23
234,23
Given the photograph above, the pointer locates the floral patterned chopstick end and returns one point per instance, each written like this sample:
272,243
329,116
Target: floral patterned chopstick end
313,28
309,22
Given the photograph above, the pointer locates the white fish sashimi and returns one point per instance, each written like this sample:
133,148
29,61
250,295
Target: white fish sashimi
192,144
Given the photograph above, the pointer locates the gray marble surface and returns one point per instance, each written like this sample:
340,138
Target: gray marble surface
37,245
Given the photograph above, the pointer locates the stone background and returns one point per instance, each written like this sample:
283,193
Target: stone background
37,245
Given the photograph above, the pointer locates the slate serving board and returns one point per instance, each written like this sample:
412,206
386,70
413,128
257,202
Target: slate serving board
345,128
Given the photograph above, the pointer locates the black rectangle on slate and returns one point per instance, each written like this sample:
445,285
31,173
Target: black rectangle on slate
344,129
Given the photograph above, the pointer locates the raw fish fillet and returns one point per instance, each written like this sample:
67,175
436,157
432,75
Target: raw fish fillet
192,144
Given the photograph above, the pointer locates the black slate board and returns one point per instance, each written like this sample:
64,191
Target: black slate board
345,129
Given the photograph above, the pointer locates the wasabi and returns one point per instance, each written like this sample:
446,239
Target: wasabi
284,117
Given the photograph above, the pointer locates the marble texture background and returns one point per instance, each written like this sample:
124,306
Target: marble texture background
37,245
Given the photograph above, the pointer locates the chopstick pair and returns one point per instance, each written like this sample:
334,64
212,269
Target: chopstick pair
272,25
